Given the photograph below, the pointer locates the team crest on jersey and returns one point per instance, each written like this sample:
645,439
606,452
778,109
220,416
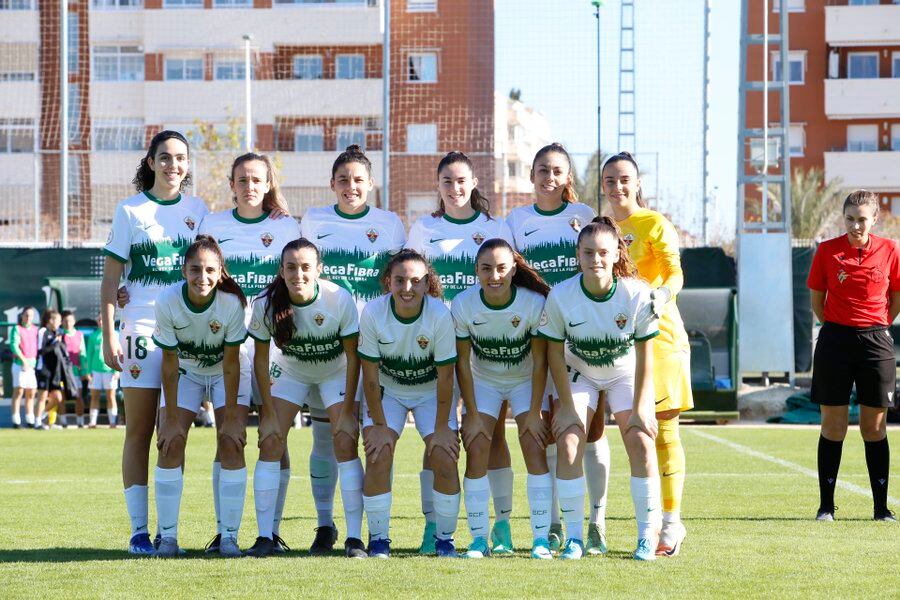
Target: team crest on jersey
319,319
190,223
266,239
628,238
254,325
215,326
575,223
423,341
477,238
842,275
515,320
372,234
544,319
135,371
621,320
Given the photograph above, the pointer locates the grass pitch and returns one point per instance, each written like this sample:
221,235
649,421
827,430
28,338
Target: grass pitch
64,529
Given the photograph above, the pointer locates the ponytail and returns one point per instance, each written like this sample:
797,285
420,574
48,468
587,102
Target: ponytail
273,198
525,276
225,283
569,194
277,305
624,267
476,199
627,157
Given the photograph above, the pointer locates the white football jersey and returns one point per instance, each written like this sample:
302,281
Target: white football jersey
316,351
500,335
451,245
199,333
547,239
599,333
252,247
150,236
354,248
407,350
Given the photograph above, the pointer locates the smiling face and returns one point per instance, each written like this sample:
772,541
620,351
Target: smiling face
858,221
351,184
495,270
408,285
621,184
455,184
170,164
202,273
550,174
250,183
300,269
597,253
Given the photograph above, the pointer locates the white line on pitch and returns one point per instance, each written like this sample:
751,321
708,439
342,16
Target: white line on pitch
852,487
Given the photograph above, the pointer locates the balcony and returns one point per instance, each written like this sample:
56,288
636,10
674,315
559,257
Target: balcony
862,98
876,25
19,26
20,99
876,171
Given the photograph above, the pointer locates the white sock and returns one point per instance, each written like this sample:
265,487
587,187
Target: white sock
265,492
378,513
29,418
554,500
540,498
136,503
596,474
94,413
323,472
477,494
298,420
284,478
645,494
79,420
169,484
216,471
571,502
232,489
210,416
16,418
351,476
671,517
426,485
446,513
113,415
502,492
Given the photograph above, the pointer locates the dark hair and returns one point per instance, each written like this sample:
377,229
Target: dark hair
47,315
278,299
624,267
352,154
569,194
225,283
67,313
862,198
144,177
627,157
21,316
435,289
273,198
525,276
476,199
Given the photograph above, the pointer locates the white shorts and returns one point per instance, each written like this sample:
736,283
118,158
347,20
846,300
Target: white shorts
193,389
318,397
27,380
489,399
585,391
248,351
142,366
396,410
104,381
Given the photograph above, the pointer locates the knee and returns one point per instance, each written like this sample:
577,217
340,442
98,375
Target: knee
872,431
271,449
668,433
442,463
570,444
534,454
230,454
479,448
344,448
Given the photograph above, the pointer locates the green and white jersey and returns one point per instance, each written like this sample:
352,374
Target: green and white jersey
316,351
500,335
407,350
198,333
547,239
150,236
599,333
354,248
252,247
451,245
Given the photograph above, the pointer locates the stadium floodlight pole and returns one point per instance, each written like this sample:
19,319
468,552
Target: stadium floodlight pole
386,105
597,4
248,134
64,121
705,194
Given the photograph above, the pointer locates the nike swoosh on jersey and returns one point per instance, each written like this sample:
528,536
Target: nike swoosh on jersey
478,322
670,474
571,324
433,240
527,233
225,240
385,343
319,237
180,328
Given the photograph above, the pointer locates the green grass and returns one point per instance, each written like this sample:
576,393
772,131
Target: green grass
63,530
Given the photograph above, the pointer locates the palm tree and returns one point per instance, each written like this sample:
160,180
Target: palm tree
814,202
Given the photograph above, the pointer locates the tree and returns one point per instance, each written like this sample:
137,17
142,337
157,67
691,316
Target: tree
588,190
214,149
814,202
515,94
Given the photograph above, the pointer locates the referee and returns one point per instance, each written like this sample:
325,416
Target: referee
855,286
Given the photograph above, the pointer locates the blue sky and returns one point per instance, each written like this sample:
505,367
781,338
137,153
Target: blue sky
549,51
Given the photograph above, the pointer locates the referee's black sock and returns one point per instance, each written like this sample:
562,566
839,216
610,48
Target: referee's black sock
829,463
878,460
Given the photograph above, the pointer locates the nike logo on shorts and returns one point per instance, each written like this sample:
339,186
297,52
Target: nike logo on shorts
663,400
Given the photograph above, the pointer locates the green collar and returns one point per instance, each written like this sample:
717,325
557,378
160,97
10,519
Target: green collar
344,215
313,299
193,307
462,221
162,202
512,298
609,294
550,213
259,219
410,319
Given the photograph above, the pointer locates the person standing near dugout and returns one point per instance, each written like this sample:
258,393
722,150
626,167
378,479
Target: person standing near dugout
854,282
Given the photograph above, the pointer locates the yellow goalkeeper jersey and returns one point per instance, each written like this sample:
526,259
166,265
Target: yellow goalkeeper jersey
653,245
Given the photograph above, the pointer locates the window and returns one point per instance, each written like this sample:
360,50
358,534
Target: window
796,72
234,3
73,43
16,76
118,63
309,138
178,69
308,67
512,169
863,2
421,139
792,6
862,138
74,113
15,5
862,65
16,135
895,137
796,140
422,67
369,2
231,69
895,206
756,151
350,66
118,135
414,6
895,64
350,134
116,4
419,204
183,3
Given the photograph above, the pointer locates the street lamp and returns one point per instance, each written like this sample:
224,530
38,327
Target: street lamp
248,132
597,4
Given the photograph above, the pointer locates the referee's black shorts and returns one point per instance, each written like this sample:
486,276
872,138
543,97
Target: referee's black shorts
847,355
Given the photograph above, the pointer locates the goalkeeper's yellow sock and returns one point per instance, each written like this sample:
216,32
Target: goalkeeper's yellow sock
51,417
670,454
